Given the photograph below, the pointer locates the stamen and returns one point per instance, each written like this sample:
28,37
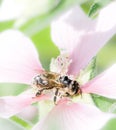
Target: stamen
60,64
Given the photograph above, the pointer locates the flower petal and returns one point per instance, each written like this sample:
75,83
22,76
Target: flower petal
104,84
25,114
73,116
11,105
67,30
106,19
95,39
18,58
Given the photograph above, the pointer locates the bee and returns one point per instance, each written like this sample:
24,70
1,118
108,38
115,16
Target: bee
63,85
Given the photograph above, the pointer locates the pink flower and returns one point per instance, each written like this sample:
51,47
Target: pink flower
82,38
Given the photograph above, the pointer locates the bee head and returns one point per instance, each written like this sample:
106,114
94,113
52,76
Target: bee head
38,80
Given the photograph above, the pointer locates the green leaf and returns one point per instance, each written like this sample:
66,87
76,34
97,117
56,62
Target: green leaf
93,9
1,1
106,59
11,89
111,125
6,25
105,104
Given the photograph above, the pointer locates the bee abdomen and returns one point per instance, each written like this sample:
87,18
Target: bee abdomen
75,87
72,85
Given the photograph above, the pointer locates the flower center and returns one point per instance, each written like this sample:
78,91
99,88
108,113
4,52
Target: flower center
56,81
60,64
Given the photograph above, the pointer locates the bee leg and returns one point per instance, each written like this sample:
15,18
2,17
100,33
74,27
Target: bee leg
39,92
67,94
55,96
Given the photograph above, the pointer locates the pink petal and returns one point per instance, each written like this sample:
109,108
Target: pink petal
83,38
104,84
73,116
95,39
67,30
18,58
11,105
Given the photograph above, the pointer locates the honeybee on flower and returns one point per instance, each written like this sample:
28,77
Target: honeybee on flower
82,38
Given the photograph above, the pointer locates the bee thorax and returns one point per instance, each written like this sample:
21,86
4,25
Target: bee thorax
65,80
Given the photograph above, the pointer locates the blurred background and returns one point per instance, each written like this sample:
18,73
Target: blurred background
33,18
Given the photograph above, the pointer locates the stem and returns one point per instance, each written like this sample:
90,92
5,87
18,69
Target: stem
21,122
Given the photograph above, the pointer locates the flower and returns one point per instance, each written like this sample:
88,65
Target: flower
81,37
